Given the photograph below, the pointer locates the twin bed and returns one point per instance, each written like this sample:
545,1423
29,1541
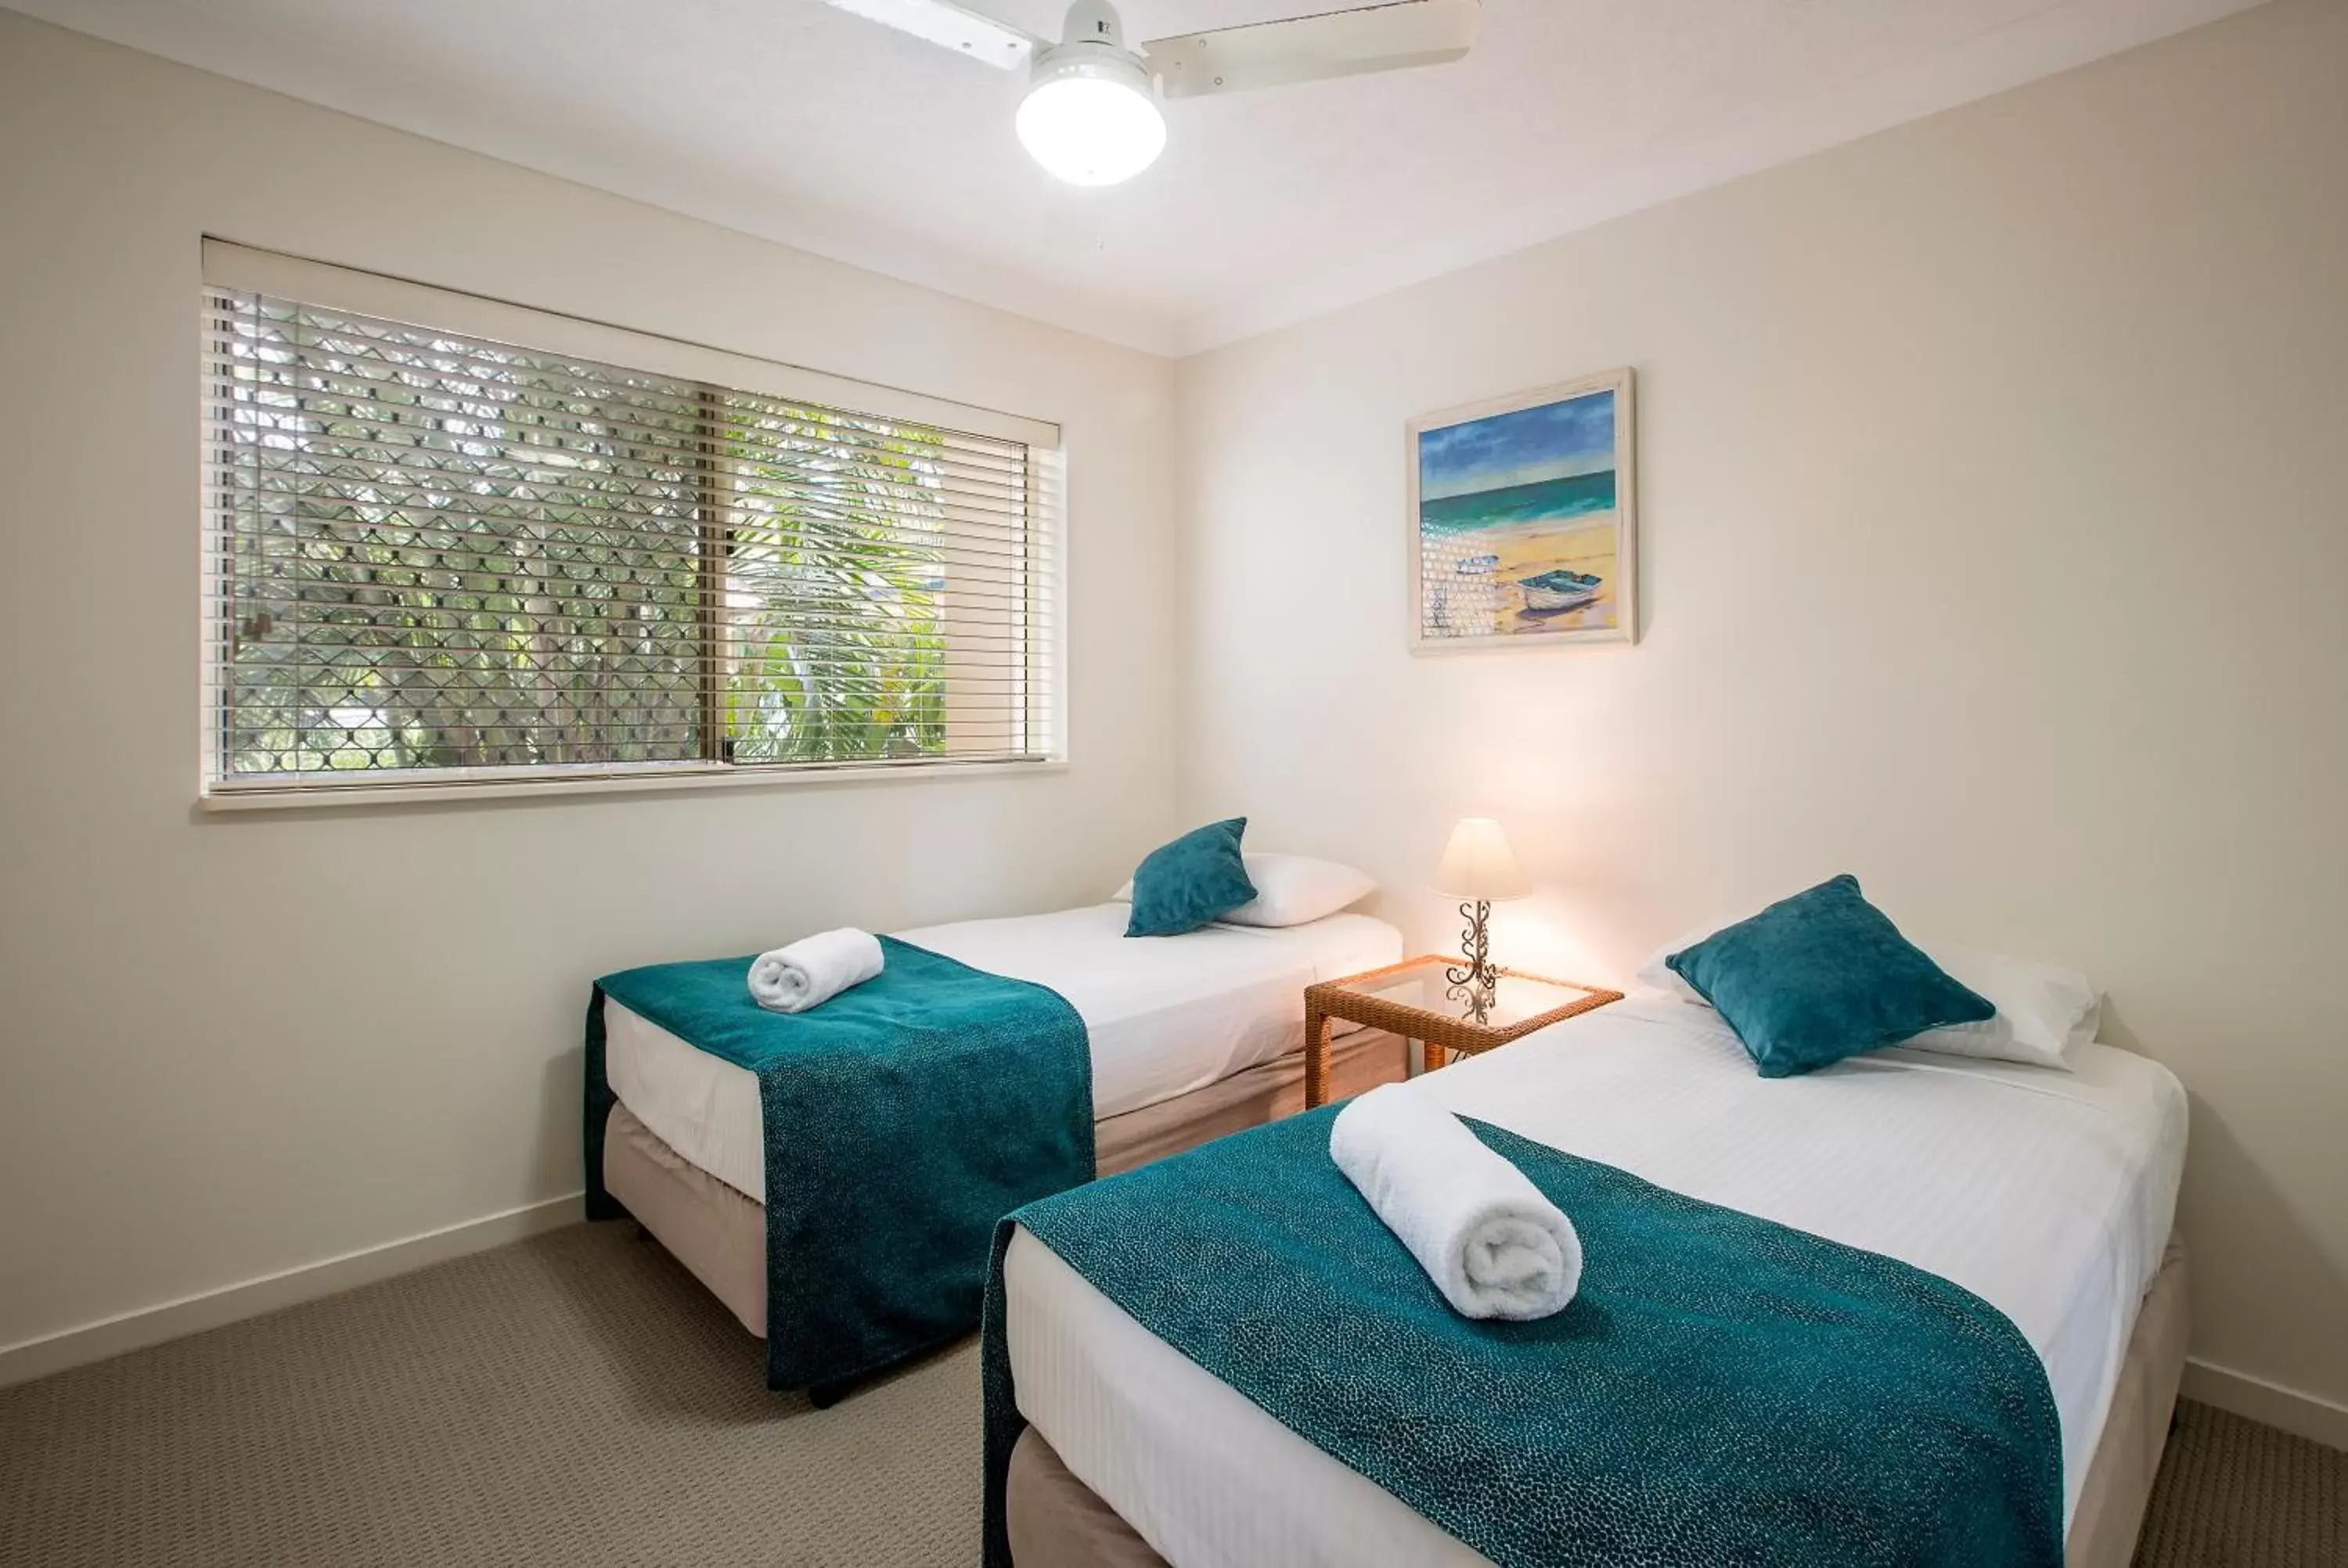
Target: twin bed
2048,1195
1191,1037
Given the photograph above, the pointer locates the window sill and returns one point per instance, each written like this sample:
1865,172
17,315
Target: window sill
233,800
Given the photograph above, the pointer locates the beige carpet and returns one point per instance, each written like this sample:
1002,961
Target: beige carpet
576,1400
2235,1494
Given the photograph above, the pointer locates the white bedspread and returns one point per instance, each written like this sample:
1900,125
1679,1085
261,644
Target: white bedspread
1166,1015
2050,1196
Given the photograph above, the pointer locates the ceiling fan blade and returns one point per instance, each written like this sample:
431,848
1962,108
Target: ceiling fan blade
951,27
1308,48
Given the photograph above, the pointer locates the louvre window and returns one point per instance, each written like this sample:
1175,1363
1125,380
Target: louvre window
443,554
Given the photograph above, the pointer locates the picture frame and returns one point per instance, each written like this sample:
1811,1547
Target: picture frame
1523,524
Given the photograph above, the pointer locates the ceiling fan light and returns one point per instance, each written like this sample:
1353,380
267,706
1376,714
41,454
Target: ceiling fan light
1091,120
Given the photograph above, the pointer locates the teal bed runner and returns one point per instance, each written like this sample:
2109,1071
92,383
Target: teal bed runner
1723,1390
902,1118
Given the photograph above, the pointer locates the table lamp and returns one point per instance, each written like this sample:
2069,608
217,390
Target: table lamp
1479,866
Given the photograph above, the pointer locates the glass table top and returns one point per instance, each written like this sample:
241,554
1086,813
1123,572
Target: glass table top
1422,983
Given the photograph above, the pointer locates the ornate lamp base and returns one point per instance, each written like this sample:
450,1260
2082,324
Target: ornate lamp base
1476,985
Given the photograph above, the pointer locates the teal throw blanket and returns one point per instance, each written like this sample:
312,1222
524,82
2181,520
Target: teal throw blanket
904,1118
1723,1390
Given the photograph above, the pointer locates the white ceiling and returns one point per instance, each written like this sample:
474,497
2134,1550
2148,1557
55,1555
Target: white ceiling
790,119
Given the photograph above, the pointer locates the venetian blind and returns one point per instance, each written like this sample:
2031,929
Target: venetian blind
442,553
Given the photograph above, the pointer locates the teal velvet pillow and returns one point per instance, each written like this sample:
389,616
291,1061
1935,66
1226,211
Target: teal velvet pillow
1821,976
1185,883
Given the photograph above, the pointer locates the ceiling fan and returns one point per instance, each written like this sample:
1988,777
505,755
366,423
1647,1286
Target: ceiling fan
1091,114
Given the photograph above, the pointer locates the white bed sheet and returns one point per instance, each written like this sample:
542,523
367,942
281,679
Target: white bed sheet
2050,1196
1166,1015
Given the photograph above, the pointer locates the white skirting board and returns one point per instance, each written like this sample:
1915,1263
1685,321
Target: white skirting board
33,1358
2256,1400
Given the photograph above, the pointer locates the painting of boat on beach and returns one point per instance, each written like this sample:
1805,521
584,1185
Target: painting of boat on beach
1523,519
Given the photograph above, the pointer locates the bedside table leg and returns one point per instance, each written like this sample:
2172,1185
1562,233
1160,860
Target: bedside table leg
1316,1057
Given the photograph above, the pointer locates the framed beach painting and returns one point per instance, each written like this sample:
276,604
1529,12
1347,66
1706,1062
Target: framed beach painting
1524,521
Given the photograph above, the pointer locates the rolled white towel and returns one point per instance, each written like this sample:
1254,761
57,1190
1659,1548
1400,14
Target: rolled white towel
814,969
1492,1244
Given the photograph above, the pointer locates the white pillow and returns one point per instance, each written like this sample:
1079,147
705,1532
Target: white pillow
1655,975
1289,890
2042,1011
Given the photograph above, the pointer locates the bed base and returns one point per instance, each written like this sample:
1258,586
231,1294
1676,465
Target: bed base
719,1233
1057,1521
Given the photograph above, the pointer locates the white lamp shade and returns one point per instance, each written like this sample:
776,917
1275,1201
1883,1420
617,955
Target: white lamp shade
1478,863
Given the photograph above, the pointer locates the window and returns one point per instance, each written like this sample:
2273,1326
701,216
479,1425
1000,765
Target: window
437,555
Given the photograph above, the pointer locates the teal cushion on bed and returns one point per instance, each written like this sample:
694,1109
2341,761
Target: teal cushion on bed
1197,878
1819,976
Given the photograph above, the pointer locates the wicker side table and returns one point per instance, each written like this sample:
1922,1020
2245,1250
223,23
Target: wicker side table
1383,999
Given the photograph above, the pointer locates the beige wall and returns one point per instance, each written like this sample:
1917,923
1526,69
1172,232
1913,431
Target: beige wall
239,1045
1995,473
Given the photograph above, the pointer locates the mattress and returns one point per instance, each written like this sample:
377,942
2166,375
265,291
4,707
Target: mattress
2050,1196
1166,1015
